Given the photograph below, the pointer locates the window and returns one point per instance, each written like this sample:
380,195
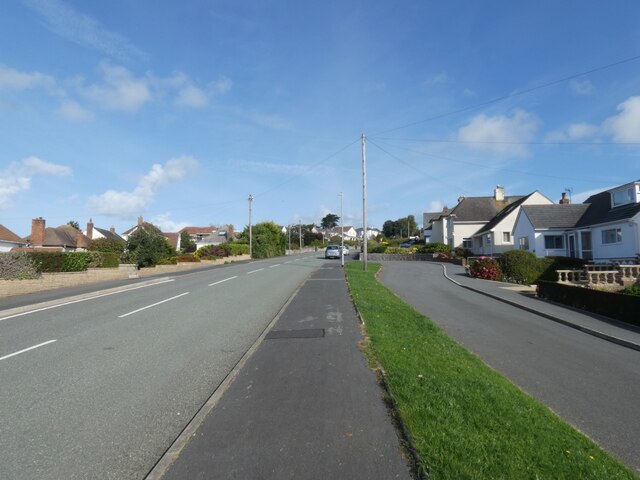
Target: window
622,197
553,242
613,235
467,243
487,239
506,237
523,243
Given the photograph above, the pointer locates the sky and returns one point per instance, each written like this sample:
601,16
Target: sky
178,110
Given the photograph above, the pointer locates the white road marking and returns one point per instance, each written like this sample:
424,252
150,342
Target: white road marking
27,349
153,305
222,281
276,265
83,300
254,271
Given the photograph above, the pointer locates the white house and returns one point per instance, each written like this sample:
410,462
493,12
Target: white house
496,236
607,229
9,240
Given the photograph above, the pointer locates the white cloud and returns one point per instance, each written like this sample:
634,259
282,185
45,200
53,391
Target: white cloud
14,79
120,90
164,222
60,18
270,121
625,126
191,96
577,131
584,87
439,79
221,86
435,206
128,204
17,178
500,134
73,111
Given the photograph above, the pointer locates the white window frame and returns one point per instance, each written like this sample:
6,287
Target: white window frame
506,237
617,236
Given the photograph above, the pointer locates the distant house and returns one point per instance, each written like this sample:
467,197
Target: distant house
371,233
94,233
141,224
9,240
64,238
211,235
605,228
427,224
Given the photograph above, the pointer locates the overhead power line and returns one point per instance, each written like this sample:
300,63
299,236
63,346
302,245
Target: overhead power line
511,95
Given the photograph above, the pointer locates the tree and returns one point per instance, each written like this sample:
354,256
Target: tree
187,245
107,245
268,240
147,246
403,227
330,220
74,224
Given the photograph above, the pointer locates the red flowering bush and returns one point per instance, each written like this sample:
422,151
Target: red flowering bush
485,268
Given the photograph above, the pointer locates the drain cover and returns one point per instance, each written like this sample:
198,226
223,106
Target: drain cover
304,333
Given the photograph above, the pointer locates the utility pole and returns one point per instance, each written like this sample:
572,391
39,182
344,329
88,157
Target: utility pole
341,233
250,233
300,234
289,228
364,202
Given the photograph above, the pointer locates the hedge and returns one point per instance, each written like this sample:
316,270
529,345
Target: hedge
17,266
613,305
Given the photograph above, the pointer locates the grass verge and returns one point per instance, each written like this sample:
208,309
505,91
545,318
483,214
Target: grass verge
466,420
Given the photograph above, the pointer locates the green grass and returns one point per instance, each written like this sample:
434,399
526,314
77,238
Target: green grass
466,420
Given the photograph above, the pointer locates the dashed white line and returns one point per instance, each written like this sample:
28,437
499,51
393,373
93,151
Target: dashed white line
27,349
153,305
254,271
222,281
276,265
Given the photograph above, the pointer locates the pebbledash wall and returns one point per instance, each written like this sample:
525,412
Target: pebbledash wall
51,281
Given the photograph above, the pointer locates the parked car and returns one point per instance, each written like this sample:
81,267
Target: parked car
332,251
345,250
406,245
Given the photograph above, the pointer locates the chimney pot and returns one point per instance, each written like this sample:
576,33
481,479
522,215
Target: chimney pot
564,200
499,193
140,221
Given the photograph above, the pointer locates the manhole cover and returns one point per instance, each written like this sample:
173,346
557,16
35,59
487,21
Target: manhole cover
303,333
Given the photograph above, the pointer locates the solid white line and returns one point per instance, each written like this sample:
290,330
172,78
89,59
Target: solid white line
254,271
27,349
221,281
83,300
149,306
276,265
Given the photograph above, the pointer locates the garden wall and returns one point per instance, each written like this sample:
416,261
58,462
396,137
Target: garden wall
408,257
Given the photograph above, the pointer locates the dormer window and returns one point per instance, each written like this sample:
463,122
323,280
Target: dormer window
625,196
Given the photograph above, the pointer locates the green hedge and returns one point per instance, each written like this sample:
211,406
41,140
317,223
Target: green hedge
55,262
614,305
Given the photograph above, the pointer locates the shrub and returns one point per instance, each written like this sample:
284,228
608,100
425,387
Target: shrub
382,248
632,290
17,266
460,252
108,245
187,259
213,251
435,247
235,249
76,261
47,262
520,266
104,260
485,268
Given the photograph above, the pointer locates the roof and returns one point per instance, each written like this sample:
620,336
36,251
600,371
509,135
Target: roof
600,210
481,209
502,214
63,236
554,216
8,236
109,234
172,238
199,230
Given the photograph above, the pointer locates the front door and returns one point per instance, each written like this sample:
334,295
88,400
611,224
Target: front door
572,246
585,241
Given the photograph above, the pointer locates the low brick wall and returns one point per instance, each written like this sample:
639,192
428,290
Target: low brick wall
50,281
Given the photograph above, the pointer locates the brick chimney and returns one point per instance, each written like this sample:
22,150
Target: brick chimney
499,193
564,200
37,232
112,229
140,221
90,229
80,243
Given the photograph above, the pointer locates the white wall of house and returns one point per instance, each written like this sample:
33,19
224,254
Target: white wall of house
457,232
6,246
625,244
437,231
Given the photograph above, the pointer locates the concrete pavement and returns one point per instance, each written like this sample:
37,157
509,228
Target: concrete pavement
524,297
305,405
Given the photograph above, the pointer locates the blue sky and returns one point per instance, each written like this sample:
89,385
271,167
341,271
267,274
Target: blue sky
177,110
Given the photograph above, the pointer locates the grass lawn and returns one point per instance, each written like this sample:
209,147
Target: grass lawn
466,420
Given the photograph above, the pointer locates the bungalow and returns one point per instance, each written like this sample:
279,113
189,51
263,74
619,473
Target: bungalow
94,233
9,240
604,228
371,233
64,238
496,236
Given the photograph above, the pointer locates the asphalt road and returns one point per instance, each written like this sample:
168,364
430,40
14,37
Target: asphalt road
101,387
591,383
